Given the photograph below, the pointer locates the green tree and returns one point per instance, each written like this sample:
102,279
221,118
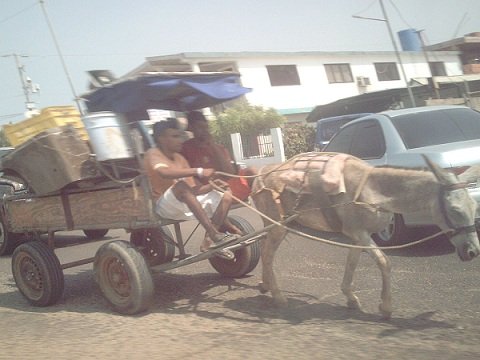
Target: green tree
244,119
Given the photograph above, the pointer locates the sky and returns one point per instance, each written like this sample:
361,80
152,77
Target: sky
118,35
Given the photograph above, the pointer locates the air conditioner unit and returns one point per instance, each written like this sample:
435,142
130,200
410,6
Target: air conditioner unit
363,81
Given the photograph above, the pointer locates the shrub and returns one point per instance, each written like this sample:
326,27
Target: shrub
244,119
297,139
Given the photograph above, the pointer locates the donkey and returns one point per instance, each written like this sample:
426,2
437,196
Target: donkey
358,204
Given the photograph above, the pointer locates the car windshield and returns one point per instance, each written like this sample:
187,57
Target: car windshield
437,127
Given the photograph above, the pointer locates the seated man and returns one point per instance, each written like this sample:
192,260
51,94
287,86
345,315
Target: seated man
176,194
202,151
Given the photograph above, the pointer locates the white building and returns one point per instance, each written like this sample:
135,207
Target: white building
293,83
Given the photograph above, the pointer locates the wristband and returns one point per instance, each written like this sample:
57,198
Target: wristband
200,172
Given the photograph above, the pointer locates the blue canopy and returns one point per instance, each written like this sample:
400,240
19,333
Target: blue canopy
167,91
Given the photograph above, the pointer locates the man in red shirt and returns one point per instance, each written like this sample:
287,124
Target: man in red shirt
202,151
177,196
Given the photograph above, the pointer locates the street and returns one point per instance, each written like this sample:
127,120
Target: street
197,314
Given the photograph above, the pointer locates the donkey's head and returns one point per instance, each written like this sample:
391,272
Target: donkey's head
457,212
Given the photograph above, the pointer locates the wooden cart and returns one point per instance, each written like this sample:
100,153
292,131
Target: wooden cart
77,200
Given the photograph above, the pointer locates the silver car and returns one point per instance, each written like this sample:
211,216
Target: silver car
448,135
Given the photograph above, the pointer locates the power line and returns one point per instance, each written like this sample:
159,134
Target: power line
4,20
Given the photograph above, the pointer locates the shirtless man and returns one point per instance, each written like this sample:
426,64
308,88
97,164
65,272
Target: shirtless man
176,194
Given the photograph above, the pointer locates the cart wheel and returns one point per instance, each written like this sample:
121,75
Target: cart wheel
37,273
8,240
95,233
246,258
123,277
156,244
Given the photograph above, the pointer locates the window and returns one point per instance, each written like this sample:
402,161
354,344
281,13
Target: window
387,71
283,75
363,139
338,73
437,68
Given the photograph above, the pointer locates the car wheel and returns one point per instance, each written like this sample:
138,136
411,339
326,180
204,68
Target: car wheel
394,234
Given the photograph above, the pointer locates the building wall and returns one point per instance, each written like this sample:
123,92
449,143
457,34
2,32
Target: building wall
314,88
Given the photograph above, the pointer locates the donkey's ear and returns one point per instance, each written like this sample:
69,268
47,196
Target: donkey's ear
441,175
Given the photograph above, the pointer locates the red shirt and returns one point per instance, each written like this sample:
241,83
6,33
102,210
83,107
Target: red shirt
200,155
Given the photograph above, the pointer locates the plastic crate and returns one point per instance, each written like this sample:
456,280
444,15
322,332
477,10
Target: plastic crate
50,117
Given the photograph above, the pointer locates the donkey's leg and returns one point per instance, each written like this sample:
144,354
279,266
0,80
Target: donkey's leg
385,267
269,247
352,262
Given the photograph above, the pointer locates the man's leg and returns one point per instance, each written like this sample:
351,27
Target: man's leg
183,192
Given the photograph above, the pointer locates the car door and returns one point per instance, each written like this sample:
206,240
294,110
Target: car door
363,139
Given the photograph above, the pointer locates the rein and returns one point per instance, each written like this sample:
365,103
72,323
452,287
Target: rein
325,241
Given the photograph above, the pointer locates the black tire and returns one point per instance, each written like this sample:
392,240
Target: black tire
246,258
156,244
37,273
93,234
8,241
123,277
394,234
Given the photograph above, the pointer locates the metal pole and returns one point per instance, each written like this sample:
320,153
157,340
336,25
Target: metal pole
425,53
61,56
410,93
26,82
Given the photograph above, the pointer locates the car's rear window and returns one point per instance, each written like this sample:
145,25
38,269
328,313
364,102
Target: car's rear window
438,127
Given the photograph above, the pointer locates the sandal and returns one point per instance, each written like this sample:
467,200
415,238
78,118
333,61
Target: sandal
225,254
222,239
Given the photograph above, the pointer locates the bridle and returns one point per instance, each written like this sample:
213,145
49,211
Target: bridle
444,191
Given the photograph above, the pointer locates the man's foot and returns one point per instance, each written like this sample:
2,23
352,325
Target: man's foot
222,239
219,240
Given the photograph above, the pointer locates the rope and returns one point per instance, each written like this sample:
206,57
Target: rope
326,241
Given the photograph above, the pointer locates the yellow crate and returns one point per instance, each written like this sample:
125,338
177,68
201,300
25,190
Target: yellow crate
48,118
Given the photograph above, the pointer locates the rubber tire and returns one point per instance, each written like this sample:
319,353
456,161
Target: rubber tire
119,260
395,234
246,258
8,241
37,273
93,234
155,244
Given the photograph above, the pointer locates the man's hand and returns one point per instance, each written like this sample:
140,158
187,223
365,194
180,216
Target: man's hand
208,173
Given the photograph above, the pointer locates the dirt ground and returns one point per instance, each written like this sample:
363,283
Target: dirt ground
197,314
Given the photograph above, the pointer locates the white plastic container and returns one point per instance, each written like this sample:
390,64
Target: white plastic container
109,135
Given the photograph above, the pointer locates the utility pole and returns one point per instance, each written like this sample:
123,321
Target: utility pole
397,53
27,85
57,46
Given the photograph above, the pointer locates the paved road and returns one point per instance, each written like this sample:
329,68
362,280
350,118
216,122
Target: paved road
199,315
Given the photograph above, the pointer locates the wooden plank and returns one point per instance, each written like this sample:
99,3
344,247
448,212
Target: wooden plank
108,208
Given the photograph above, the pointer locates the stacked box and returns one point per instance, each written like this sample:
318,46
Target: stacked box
51,160
50,117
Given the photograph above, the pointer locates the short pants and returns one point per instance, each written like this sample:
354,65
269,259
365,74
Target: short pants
169,207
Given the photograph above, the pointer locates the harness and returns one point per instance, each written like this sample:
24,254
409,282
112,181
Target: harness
444,190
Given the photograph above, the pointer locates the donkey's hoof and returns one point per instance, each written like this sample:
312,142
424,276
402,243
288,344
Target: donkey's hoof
262,288
386,313
354,305
280,302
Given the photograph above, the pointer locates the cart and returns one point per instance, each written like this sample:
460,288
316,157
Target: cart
115,194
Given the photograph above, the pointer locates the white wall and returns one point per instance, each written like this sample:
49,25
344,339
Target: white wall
315,89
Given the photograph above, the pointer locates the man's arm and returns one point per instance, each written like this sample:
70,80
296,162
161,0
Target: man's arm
221,158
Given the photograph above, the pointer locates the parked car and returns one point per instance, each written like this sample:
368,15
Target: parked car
448,135
327,127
